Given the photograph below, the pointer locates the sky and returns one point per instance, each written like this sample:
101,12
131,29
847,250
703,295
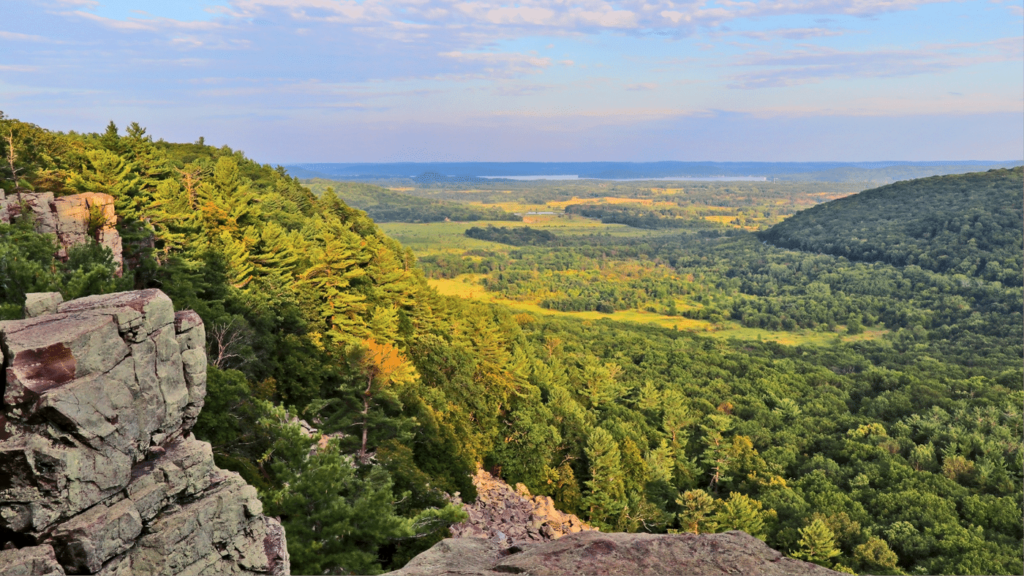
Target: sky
489,80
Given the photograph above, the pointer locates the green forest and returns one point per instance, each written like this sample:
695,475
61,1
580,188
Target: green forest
896,454
385,205
971,227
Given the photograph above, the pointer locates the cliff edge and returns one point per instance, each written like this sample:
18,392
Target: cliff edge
99,472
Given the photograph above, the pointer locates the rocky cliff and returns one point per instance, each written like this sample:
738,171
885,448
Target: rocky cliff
73,219
99,473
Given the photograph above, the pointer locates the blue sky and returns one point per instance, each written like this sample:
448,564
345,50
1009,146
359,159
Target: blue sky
487,80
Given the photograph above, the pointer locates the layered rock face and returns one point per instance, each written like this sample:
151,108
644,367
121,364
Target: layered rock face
99,473
612,555
68,218
513,516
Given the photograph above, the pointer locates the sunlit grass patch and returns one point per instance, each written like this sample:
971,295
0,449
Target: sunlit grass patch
468,286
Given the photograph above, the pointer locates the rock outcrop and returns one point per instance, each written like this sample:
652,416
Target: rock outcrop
513,516
69,218
615,554
99,472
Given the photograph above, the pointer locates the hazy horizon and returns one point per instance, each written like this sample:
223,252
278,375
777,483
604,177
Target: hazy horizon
437,80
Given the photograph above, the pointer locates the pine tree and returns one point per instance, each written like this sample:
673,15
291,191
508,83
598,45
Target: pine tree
660,463
716,453
676,418
337,516
698,508
384,366
605,487
817,543
741,512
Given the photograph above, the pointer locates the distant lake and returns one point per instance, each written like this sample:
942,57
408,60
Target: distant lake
670,178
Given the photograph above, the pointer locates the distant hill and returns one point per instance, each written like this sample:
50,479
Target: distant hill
445,172
384,205
965,224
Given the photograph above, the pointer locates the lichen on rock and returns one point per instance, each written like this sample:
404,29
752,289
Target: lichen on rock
99,471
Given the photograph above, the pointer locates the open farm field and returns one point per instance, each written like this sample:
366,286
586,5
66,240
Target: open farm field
449,237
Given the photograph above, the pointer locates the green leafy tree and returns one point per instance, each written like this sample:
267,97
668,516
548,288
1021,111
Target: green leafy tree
876,557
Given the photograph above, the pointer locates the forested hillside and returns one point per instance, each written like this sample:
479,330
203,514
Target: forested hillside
967,224
884,456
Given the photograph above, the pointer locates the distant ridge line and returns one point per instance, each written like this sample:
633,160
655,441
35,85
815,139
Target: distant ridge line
471,171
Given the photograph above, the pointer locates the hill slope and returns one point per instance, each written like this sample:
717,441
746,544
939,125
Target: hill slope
965,224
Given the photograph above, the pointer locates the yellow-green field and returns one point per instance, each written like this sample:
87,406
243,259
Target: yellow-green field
467,286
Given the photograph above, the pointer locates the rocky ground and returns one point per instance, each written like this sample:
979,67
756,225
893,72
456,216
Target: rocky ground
509,531
99,472
513,516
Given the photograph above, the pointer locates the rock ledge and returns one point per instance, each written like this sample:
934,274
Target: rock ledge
613,554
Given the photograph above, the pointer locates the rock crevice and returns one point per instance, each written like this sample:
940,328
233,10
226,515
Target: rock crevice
99,471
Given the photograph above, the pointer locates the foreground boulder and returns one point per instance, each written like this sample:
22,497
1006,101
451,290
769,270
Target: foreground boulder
592,552
99,471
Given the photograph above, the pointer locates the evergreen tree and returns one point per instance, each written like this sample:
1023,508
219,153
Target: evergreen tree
741,512
606,490
817,543
337,517
716,456
697,509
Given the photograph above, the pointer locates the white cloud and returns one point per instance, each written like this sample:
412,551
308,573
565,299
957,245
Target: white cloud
502,64
792,33
814,63
23,37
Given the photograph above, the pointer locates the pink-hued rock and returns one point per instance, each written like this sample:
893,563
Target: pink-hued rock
31,561
96,455
71,216
513,516
612,555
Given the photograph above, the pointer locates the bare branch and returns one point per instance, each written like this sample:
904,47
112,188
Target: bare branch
229,339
